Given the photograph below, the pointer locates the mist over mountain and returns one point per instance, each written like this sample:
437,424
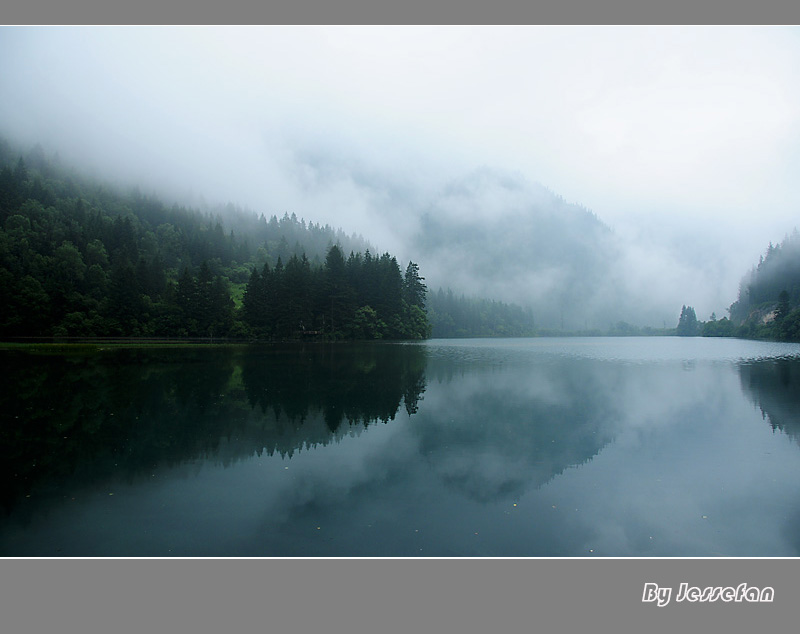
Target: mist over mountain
430,141
483,233
495,234
499,237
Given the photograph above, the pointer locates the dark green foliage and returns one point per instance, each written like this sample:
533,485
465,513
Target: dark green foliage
687,323
718,328
789,326
358,298
79,259
255,302
414,290
125,303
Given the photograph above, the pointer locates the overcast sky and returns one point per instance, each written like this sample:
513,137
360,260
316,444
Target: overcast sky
662,132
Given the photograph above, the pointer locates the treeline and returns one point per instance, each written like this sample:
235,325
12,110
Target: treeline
363,297
459,316
78,258
690,326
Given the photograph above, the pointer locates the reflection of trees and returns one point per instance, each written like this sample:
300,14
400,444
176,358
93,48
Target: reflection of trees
775,387
498,431
70,419
358,383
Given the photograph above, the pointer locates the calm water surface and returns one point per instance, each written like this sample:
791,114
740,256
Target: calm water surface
517,447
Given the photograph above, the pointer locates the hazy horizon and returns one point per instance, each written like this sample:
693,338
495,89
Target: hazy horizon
683,140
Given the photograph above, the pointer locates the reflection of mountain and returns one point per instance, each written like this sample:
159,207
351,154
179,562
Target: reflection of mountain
775,387
86,417
498,431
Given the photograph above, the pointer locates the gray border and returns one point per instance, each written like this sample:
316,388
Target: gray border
386,596
391,12
548,595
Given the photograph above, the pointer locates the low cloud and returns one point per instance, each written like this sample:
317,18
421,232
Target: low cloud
682,141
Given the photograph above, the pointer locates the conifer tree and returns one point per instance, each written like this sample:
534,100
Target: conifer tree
687,323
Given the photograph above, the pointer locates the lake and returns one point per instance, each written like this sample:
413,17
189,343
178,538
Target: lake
547,447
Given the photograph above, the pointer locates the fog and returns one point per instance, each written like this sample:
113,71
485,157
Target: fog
665,157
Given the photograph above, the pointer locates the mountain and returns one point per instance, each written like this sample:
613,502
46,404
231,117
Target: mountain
498,236
518,258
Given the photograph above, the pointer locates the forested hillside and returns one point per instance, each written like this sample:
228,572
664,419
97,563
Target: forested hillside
768,305
81,258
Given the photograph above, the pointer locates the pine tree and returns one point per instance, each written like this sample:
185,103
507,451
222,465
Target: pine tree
414,290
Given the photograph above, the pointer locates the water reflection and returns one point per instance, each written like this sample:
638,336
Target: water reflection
494,432
496,448
85,417
774,386
358,383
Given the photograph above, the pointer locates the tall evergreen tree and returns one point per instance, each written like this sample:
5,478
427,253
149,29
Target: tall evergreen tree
414,290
